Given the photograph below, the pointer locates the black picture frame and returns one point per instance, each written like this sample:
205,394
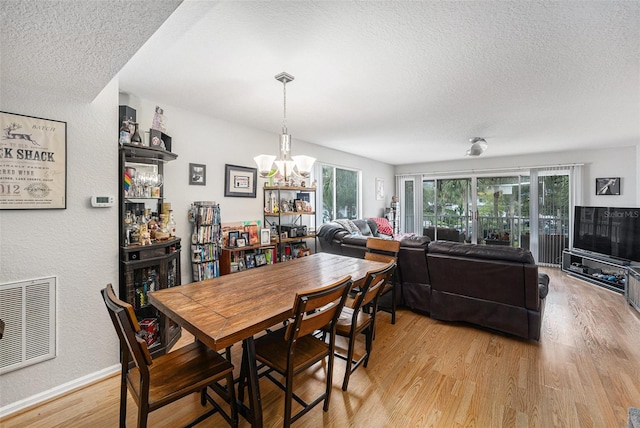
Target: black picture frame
240,181
608,186
233,238
197,174
261,259
46,170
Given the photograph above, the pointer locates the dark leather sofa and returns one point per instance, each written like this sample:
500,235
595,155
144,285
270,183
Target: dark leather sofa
490,286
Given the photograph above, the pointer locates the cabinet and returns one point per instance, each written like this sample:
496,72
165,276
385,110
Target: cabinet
599,270
289,211
235,259
155,265
205,240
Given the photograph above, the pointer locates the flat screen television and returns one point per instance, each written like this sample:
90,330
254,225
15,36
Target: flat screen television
609,231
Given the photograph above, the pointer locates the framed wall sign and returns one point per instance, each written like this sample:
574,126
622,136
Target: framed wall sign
379,189
608,186
33,162
240,181
197,174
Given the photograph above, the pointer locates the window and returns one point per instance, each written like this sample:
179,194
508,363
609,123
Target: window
340,193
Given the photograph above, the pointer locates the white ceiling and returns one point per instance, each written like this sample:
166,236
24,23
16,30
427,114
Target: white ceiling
401,82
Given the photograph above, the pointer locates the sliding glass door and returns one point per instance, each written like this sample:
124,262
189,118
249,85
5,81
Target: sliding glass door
500,210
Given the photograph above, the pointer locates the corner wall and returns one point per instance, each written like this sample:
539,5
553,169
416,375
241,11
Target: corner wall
78,244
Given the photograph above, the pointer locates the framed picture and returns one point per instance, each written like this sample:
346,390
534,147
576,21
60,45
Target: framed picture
265,237
251,262
299,205
245,236
233,238
379,189
33,162
197,174
261,259
240,181
241,242
608,186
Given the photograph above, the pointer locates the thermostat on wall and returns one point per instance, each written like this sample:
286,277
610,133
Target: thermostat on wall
102,201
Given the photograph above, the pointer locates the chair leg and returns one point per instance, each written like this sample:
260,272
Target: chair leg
288,398
349,359
143,414
393,304
368,334
232,400
123,400
327,393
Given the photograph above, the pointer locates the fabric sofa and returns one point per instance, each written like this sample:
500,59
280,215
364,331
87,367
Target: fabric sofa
349,237
490,286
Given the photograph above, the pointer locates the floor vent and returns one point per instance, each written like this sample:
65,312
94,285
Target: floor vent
28,309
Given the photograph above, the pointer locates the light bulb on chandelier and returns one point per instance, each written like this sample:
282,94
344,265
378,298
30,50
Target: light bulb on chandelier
286,164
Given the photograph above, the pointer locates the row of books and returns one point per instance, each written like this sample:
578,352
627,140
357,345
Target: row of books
210,233
205,252
208,214
206,270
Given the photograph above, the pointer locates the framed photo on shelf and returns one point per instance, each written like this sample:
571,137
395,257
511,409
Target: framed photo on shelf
233,238
197,174
299,205
261,259
33,162
265,237
608,186
241,242
251,261
240,181
245,236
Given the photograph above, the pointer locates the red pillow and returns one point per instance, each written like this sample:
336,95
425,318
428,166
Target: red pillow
383,225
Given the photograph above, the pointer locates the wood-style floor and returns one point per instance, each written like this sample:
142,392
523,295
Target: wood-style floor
584,372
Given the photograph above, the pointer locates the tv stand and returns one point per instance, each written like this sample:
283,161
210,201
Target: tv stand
597,269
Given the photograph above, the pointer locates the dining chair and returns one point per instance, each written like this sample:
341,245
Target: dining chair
385,250
354,320
293,348
156,382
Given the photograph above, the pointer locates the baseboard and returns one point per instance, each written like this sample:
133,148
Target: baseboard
58,390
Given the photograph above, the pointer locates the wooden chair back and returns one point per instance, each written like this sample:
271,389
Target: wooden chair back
127,327
382,250
317,308
374,284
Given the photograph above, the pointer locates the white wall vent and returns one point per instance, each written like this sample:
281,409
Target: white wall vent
28,309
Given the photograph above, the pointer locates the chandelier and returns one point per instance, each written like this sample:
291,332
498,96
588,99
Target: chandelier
478,146
286,164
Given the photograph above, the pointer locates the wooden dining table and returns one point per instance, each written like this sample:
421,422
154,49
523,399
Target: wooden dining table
223,311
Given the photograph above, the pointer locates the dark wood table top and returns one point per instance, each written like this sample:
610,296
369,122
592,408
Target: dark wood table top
222,311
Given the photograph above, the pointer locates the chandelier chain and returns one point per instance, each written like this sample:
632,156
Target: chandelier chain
284,120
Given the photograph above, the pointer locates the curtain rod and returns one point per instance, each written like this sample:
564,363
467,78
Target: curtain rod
467,171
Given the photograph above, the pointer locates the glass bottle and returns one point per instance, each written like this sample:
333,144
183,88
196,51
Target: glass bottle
135,137
128,220
134,234
172,225
125,135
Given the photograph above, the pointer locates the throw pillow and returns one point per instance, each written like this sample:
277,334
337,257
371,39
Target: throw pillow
383,225
349,225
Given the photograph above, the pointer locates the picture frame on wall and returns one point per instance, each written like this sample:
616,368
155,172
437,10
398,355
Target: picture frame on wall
35,148
197,174
379,189
240,181
608,186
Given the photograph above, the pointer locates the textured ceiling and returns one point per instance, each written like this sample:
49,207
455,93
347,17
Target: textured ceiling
73,48
401,82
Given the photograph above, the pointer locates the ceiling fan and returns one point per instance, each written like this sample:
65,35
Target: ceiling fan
478,146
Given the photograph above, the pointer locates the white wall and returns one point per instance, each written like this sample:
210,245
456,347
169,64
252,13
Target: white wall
619,162
205,140
79,244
